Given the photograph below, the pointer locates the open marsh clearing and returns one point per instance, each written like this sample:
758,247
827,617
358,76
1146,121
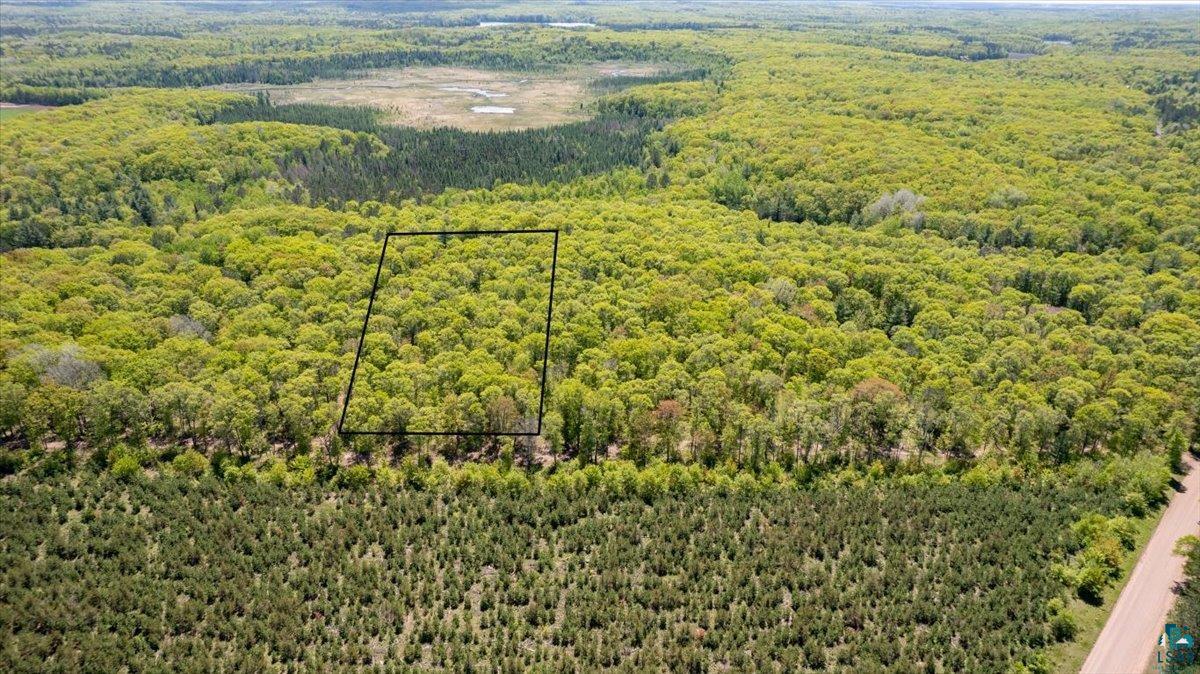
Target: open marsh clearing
467,98
10,110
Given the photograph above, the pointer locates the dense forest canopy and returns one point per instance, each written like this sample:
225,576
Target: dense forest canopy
825,259
567,579
470,313
746,289
416,161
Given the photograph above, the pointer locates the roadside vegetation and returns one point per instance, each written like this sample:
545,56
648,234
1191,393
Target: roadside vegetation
1187,606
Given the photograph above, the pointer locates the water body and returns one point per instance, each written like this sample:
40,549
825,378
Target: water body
492,110
478,92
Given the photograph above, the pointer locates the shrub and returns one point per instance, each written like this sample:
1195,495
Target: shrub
1134,503
55,463
1065,574
1145,474
354,477
988,473
389,477
1091,530
1100,542
10,462
126,468
1106,551
1176,444
121,450
1187,607
1092,579
1063,624
410,473
1038,663
276,474
515,483
747,484
650,485
302,470
1124,529
622,477
235,473
190,462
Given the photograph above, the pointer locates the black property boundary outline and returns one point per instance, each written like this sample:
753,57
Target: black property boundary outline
370,302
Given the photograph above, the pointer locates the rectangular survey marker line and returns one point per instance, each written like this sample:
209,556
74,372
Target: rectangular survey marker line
371,302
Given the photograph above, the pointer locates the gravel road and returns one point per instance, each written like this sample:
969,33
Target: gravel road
1126,645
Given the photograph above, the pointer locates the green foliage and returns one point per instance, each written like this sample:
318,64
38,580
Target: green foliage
843,577
1100,543
190,462
24,94
248,344
988,473
302,471
1063,624
290,51
916,273
794,141
11,461
418,162
1176,445
52,463
139,455
1038,663
354,477
239,474
1187,605
126,468
814,258
1142,480
80,174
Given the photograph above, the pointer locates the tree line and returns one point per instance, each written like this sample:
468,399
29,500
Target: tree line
281,56
928,285
429,161
841,578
